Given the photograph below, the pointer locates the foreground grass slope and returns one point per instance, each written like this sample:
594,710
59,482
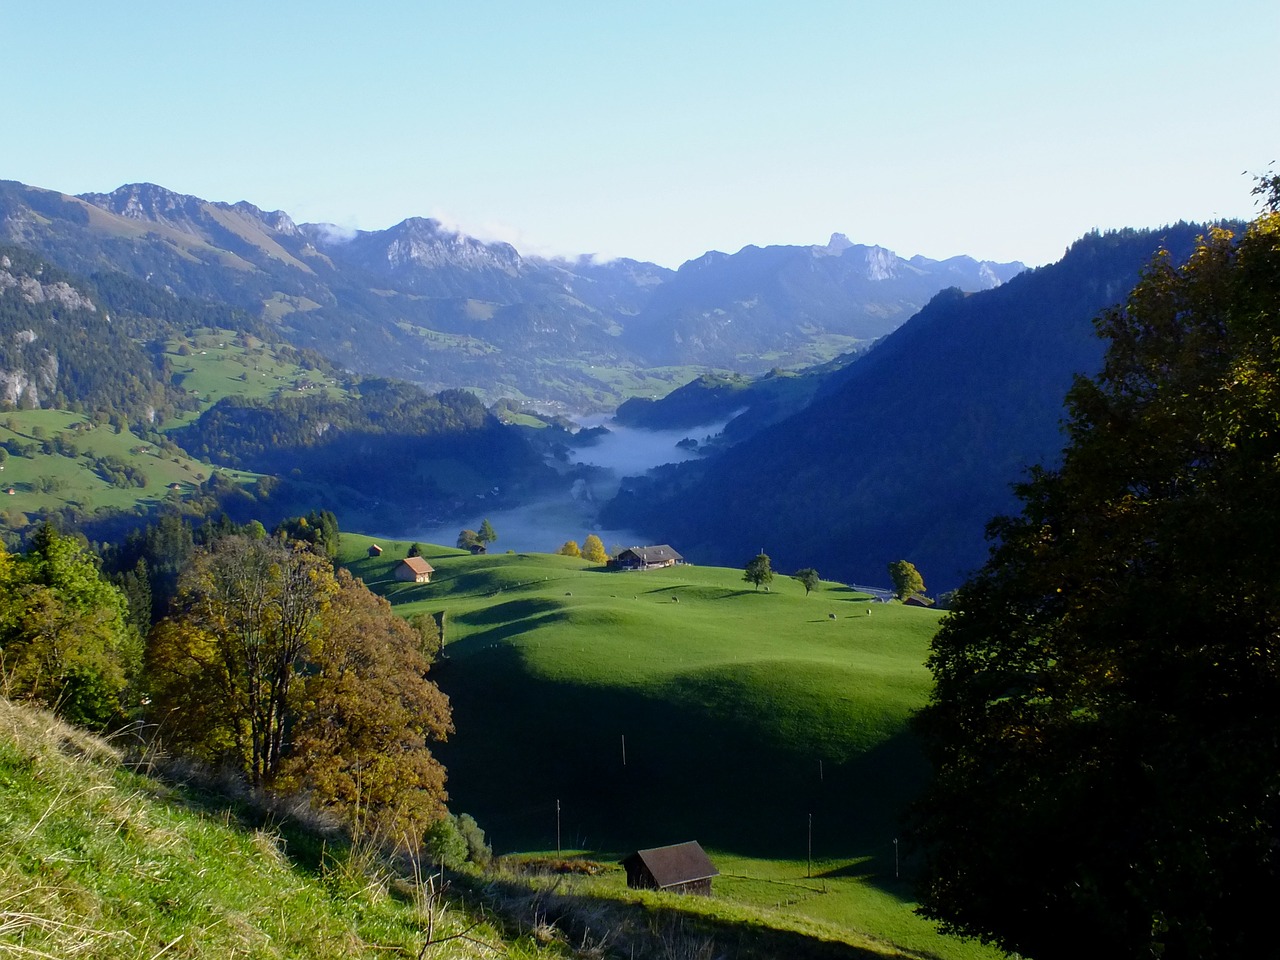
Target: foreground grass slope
745,716
104,863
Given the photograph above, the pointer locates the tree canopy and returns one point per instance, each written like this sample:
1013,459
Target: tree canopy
301,679
759,572
906,579
808,578
1104,723
593,549
66,636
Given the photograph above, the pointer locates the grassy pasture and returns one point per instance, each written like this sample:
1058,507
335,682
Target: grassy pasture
104,863
220,364
216,364
743,714
54,480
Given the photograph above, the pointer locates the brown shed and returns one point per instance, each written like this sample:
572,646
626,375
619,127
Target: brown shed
679,868
375,550
414,570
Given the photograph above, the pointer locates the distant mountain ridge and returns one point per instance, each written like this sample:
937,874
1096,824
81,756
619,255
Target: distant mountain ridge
906,452
438,307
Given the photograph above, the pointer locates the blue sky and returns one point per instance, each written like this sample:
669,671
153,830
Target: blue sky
661,130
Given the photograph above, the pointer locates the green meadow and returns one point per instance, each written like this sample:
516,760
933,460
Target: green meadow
681,704
212,363
55,479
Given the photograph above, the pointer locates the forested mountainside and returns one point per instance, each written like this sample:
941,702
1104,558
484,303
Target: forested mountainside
420,302
187,387
910,450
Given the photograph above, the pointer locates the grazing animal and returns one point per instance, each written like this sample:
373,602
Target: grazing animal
675,599
831,616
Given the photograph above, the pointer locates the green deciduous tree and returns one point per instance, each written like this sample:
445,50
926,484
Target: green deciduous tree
906,579
593,550
808,578
430,641
65,633
469,540
759,572
1104,727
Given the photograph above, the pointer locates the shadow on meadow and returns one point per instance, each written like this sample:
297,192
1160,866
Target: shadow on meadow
526,745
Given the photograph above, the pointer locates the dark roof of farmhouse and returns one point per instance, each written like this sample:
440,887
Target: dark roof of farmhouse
677,863
659,554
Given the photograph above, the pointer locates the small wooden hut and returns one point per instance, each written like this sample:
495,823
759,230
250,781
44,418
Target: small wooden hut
414,570
678,868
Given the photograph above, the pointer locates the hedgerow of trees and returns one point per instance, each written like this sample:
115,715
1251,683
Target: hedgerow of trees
1104,723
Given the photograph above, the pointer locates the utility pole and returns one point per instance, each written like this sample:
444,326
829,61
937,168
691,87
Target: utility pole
558,828
810,855
624,749
895,858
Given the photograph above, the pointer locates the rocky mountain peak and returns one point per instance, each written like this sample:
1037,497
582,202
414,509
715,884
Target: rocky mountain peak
423,242
146,201
277,220
837,245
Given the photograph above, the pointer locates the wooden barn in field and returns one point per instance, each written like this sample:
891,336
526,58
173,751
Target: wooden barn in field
646,558
375,550
414,570
678,868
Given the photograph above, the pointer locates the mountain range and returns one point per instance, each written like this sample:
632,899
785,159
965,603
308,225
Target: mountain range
905,453
442,309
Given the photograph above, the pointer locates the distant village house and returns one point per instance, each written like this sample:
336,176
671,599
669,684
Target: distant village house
414,570
679,868
646,558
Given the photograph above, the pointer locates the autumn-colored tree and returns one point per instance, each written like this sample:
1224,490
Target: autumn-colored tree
906,579
593,549
195,694
261,601
570,548
360,746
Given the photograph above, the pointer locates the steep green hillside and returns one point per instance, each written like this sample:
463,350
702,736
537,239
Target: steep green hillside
743,713
100,862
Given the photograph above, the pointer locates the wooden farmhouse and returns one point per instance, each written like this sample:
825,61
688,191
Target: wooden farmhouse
679,868
917,600
414,570
646,558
